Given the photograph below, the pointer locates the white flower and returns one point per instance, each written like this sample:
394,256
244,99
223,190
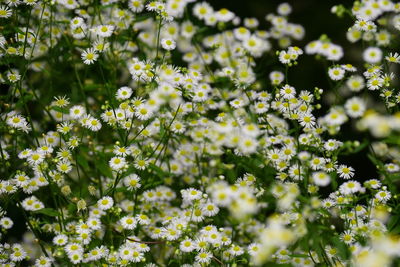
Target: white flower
32,204
76,22
321,178
5,12
93,124
355,107
89,56
105,203
187,245
76,112
43,261
203,257
393,58
336,73
132,181
6,223
383,195
117,163
124,93
104,30
168,44
345,172
191,194
64,166
128,222
60,240
372,55
350,187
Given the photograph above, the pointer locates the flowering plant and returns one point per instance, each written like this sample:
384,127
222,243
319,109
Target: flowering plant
167,133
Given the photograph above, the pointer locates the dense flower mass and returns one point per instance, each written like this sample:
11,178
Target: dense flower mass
151,133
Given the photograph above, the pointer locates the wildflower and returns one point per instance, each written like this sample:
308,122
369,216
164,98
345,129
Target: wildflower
383,195
89,56
355,107
105,203
128,222
117,163
124,93
203,257
321,178
350,187
336,73
76,112
104,30
187,245
60,240
372,55
345,172
64,166
6,223
5,12
168,44
393,58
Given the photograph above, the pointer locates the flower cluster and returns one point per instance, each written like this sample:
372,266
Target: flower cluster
152,133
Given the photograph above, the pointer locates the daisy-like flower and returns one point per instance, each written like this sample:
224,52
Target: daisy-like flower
203,257
105,203
393,58
375,83
332,144
143,112
93,124
287,91
321,178
117,163
372,55
60,101
60,240
187,245
128,222
132,181
43,261
191,194
285,57
355,107
124,93
350,187
355,83
168,44
5,12
391,167
76,22
6,223
64,166
383,195
104,30
307,120
76,112
336,73
89,56
345,172
347,237
35,158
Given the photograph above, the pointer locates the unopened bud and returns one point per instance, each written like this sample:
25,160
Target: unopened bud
66,190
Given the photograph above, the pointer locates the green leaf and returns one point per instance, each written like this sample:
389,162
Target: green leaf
92,87
104,169
59,109
48,211
82,161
